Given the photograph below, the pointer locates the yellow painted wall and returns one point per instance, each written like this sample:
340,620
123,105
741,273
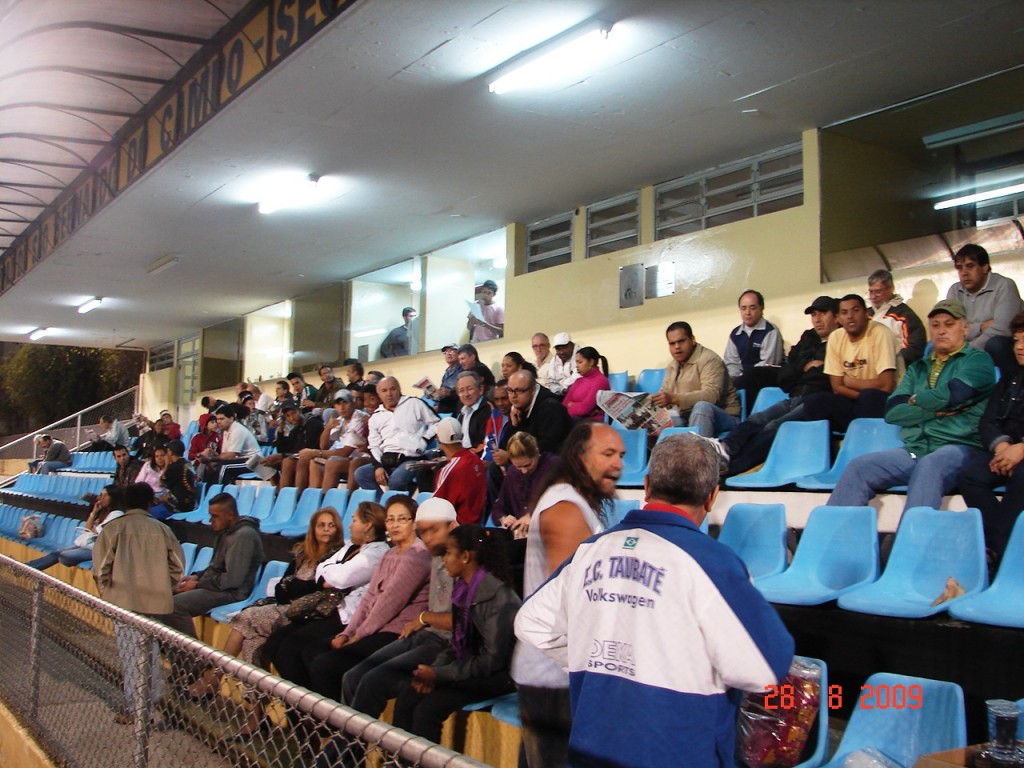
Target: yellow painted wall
778,254
156,391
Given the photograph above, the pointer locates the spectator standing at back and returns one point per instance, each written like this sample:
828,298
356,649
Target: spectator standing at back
753,344
398,342
492,326
136,563
55,456
887,307
991,302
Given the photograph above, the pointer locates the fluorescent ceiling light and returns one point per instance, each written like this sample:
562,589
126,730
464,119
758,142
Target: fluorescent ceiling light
974,131
163,264
573,50
90,305
38,333
979,197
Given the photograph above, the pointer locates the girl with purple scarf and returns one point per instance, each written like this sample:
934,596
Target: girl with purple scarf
475,666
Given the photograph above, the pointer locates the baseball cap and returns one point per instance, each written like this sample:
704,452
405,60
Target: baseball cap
950,307
449,431
561,339
343,394
435,510
289,405
446,347
823,304
165,413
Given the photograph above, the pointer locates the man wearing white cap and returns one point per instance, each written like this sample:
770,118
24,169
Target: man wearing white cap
560,372
368,686
463,479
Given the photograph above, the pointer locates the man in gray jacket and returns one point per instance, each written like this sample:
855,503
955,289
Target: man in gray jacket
237,557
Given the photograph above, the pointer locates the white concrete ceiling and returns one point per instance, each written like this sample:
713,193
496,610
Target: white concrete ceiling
391,100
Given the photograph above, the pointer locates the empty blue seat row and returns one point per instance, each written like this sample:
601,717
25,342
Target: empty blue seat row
92,461
58,531
56,487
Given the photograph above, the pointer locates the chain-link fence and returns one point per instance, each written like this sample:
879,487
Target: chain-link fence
72,430
98,686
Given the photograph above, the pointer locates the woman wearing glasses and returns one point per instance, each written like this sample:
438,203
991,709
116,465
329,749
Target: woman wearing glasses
396,595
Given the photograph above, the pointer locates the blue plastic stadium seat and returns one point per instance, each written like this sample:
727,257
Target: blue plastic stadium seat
1002,604
203,557
904,734
757,533
862,436
200,513
355,498
800,448
634,464
388,495
668,431
423,496
506,710
263,505
767,397
336,498
931,546
284,506
298,524
838,552
274,570
618,381
650,380
189,550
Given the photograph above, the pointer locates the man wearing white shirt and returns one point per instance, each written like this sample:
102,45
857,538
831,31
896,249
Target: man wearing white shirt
237,445
399,431
560,372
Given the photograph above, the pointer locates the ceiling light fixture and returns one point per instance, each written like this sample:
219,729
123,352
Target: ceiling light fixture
163,264
576,48
974,131
292,193
90,305
979,197
38,333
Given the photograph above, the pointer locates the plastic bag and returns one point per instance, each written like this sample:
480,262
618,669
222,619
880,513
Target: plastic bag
774,726
869,758
31,527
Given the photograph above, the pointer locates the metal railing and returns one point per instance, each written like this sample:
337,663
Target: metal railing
99,686
71,430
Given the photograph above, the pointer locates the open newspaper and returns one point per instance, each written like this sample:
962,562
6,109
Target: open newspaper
634,410
428,387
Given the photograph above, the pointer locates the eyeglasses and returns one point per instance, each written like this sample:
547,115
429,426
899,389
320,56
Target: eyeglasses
515,391
397,520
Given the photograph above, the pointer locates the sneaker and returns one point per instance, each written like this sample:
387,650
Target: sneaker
721,450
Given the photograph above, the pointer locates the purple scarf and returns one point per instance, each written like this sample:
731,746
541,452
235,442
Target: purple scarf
463,595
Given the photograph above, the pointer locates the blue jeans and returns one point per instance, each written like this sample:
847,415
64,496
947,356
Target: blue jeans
69,556
709,419
47,467
928,478
399,479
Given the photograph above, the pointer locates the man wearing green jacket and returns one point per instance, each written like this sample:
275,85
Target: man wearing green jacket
938,405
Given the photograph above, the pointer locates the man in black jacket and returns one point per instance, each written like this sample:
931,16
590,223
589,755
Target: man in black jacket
1002,433
297,431
803,374
180,481
474,411
538,411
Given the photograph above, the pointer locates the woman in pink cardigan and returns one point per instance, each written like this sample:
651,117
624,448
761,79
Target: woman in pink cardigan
581,398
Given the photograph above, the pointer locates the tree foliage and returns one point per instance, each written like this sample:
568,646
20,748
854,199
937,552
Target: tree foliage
44,383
